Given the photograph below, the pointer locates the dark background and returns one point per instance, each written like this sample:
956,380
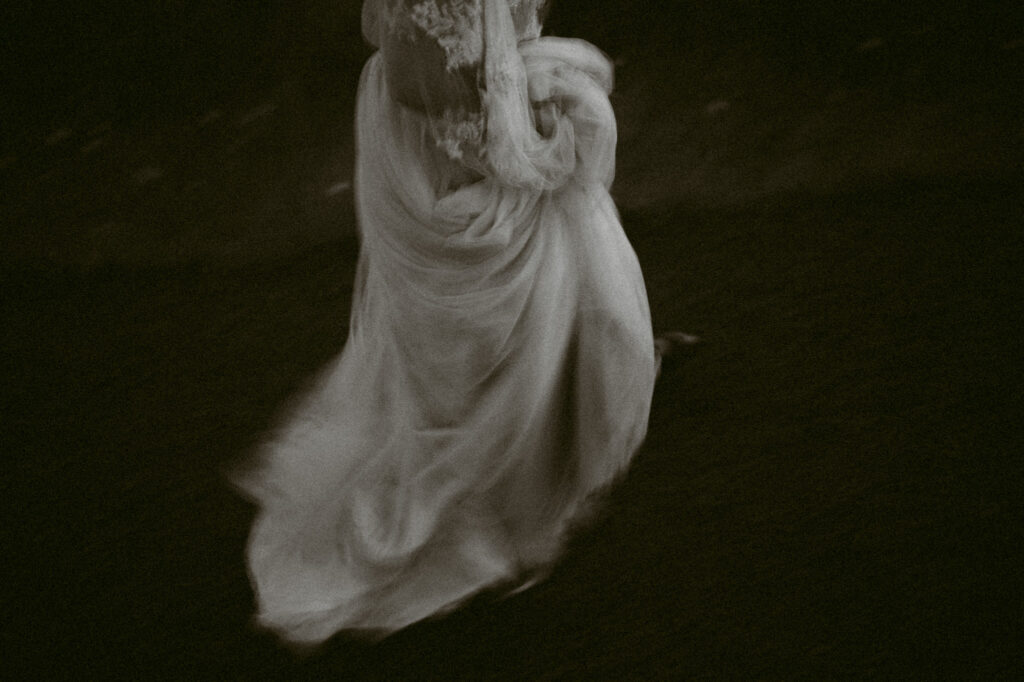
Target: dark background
126,128
826,191
162,50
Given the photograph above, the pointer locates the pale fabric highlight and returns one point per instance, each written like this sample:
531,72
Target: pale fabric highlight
498,371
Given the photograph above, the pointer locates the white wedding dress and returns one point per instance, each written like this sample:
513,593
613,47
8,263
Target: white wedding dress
499,367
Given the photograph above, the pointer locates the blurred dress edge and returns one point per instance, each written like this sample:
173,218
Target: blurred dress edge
497,375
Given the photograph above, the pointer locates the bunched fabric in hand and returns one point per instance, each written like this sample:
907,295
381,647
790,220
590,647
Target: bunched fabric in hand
498,372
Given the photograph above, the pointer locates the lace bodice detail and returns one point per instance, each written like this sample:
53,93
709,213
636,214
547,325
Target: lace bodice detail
455,25
461,64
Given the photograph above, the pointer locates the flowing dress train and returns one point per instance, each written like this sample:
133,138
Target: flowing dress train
496,378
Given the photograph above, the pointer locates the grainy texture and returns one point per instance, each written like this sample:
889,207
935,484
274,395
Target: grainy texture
830,487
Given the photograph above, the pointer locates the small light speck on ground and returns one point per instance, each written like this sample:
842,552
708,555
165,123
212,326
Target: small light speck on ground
93,145
257,113
146,175
58,136
210,117
100,130
47,176
870,44
716,107
337,188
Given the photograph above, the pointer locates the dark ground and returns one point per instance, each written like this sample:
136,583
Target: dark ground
830,487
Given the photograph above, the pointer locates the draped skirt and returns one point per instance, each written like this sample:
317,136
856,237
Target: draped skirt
496,379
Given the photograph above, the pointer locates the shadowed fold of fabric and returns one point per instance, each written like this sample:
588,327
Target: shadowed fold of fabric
497,375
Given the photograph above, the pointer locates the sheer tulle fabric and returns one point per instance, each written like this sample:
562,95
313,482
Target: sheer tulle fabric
497,375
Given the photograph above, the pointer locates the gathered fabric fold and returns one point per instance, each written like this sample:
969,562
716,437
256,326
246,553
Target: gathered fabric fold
496,378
